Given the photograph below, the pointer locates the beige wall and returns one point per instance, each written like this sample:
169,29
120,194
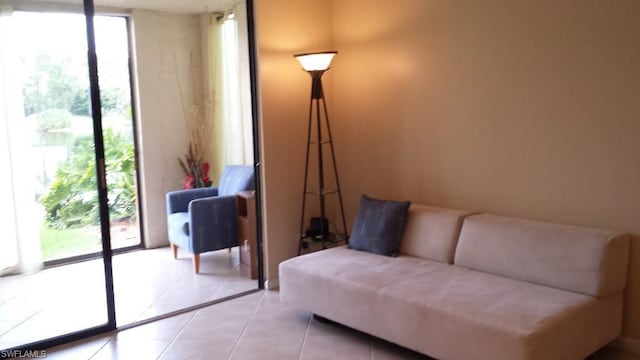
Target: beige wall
168,58
285,27
514,107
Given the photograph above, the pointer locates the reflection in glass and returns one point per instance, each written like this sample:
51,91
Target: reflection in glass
192,82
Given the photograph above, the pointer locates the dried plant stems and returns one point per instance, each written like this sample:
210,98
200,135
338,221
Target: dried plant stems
199,128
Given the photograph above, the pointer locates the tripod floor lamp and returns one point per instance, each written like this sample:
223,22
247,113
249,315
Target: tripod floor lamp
319,230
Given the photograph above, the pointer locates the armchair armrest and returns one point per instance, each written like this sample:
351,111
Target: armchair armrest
213,224
178,201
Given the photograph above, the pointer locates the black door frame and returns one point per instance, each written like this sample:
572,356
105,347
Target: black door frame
255,110
96,110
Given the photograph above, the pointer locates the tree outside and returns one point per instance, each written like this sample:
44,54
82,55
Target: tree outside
57,110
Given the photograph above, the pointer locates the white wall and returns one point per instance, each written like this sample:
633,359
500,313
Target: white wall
169,63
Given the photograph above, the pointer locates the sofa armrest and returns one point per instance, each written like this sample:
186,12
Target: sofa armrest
178,201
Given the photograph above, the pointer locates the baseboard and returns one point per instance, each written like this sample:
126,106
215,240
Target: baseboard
271,284
627,344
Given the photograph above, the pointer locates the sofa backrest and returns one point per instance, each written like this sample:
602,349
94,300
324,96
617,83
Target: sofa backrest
585,260
432,232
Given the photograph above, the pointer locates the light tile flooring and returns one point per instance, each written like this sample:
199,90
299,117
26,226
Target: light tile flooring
147,283
256,326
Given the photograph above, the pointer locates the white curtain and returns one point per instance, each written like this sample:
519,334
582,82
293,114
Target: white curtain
230,89
20,215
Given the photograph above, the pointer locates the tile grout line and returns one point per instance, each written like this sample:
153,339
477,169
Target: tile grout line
101,347
244,329
304,339
176,336
165,292
115,333
21,322
2,303
225,282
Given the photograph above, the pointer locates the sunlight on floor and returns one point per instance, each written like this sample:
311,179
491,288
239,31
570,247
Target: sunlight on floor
147,283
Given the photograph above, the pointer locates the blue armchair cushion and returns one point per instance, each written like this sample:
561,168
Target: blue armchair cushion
379,225
180,221
178,224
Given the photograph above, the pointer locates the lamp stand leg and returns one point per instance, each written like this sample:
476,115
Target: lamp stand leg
317,96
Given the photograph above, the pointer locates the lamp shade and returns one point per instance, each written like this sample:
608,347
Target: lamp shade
319,61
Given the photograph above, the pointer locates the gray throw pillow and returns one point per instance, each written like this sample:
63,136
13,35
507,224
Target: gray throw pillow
379,225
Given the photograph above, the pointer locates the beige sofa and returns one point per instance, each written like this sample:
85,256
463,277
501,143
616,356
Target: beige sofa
473,286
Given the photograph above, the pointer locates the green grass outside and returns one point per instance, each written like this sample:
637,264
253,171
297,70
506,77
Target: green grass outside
56,244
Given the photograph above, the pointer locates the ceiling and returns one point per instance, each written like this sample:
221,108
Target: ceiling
180,6
187,6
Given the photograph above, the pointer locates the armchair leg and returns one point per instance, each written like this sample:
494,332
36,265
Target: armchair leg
229,250
174,249
196,263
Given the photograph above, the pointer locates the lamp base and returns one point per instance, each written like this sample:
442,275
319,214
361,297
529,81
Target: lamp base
318,229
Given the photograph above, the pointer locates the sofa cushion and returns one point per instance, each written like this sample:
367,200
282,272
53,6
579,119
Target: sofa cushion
585,260
432,232
340,283
378,226
457,313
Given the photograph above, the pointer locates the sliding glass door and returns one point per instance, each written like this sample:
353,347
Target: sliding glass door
57,110
54,202
68,181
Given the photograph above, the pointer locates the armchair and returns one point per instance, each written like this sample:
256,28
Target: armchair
205,219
